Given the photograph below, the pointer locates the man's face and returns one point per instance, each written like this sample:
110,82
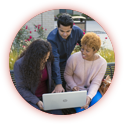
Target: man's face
64,31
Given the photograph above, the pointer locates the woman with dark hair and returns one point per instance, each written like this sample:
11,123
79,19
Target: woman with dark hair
32,73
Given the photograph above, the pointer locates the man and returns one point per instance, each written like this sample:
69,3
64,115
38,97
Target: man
63,40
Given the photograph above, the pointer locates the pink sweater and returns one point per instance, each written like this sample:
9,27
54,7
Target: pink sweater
81,73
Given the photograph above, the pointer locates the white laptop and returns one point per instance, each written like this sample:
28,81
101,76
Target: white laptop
52,101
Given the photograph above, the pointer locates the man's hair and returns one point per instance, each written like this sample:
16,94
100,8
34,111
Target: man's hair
65,20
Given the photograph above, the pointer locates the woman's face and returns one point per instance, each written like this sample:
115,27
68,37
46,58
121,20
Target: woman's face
47,56
43,61
88,53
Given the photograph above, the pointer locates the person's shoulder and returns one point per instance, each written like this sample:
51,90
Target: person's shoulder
76,55
19,61
102,60
74,58
77,30
52,34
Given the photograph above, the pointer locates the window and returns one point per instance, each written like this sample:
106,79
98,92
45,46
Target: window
62,11
66,11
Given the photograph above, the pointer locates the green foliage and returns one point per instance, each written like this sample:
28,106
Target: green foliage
76,49
75,15
85,15
22,40
58,15
13,57
14,54
41,31
107,54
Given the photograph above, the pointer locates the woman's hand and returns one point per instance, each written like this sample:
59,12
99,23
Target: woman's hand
76,88
40,105
88,100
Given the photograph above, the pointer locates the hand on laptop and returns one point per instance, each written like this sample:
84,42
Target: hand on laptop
88,100
76,88
58,89
40,105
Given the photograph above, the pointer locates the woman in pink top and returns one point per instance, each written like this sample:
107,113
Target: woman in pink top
85,70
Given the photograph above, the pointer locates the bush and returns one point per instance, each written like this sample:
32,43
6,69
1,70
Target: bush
75,15
23,36
13,57
87,17
107,54
41,31
22,40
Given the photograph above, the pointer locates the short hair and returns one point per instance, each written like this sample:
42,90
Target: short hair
65,20
92,40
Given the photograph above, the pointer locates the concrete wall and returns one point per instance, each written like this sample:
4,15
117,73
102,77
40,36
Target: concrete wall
56,11
36,20
104,11
46,20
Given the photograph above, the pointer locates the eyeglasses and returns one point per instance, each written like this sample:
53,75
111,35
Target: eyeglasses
82,49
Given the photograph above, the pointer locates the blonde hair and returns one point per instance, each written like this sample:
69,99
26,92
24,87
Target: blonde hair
91,40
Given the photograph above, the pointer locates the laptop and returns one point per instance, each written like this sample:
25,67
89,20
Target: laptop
52,101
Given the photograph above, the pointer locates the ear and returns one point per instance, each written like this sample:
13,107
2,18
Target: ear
95,51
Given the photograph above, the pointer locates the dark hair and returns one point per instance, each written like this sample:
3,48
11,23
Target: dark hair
65,20
33,55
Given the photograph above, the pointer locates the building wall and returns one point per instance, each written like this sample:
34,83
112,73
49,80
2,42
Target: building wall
104,11
56,11
35,20
46,20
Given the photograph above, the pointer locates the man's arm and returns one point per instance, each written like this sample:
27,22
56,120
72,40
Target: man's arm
56,75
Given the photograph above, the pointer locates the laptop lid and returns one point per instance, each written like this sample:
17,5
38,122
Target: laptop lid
63,100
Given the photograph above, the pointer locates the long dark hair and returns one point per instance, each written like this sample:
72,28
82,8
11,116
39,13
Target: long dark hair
33,55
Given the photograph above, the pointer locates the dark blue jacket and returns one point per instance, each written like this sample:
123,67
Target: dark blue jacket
62,49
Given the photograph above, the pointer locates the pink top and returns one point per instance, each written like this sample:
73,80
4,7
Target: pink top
87,75
42,87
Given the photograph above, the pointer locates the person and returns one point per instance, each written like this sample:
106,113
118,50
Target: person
63,40
32,73
85,70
